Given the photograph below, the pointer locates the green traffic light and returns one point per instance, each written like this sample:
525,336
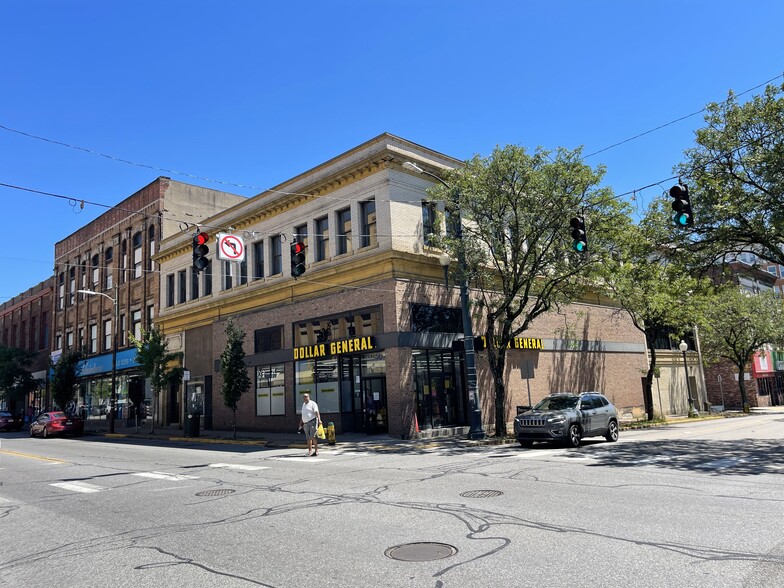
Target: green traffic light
579,246
681,219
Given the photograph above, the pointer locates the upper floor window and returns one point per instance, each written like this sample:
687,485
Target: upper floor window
93,338
194,284
322,239
367,211
137,255
96,265
150,247
258,260
170,290
275,256
107,335
123,260
182,284
71,285
301,234
344,231
109,263
227,281
136,324
428,221
243,277
61,292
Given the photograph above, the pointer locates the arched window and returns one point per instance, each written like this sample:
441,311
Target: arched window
150,247
109,263
137,255
96,270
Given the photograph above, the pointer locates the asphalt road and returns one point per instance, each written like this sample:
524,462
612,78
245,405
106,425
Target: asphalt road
697,504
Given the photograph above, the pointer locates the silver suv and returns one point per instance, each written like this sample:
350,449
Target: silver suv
567,418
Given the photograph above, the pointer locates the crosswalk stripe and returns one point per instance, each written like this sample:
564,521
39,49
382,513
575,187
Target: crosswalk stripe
238,466
164,476
78,487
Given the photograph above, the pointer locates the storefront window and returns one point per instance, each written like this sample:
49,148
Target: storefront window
320,380
439,388
270,390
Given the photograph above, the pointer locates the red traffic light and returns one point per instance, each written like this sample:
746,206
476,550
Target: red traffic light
200,238
297,247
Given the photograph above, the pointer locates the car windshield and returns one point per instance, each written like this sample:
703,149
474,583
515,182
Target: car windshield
557,403
57,415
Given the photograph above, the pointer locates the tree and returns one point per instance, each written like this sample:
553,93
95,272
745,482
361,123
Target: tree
157,364
657,292
234,370
517,242
16,380
735,175
65,377
737,324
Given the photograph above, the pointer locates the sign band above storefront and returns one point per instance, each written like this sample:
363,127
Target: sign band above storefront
319,350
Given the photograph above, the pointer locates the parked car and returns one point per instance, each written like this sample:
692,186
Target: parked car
10,422
56,423
568,418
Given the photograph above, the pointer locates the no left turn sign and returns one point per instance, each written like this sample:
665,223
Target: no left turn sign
230,248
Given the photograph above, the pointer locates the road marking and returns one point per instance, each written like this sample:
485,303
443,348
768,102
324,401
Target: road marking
31,456
305,458
164,476
238,466
78,487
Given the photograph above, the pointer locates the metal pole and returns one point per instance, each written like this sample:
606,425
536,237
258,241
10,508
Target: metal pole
688,386
115,325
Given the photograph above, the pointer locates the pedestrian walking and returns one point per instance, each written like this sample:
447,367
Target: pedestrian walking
309,421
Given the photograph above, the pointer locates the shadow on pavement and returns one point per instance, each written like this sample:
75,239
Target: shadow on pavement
739,457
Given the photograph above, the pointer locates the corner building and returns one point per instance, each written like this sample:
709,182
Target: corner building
369,329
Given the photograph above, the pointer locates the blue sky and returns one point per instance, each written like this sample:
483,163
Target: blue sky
255,92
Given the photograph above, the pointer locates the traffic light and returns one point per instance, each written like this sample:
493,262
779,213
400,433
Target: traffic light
580,240
200,251
297,259
681,204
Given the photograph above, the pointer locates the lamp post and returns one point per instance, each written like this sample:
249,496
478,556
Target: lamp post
475,431
113,397
683,346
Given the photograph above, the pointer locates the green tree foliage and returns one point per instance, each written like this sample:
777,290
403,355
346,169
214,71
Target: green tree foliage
657,292
735,175
157,363
517,240
737,324
234,370
65,377
15,377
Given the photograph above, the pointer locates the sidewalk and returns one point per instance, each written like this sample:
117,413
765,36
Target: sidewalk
173,433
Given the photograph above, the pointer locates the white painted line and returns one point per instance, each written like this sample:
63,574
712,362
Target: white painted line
238,466
303,458
164,476
78,487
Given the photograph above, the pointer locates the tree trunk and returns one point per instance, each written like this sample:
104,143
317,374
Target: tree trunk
234,420
744,399
650,341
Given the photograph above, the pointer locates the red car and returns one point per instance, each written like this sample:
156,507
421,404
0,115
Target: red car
56,423
9,422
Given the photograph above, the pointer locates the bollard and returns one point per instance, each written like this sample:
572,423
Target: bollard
331,434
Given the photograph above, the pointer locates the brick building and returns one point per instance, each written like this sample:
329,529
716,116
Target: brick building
25,322
112,257
369,329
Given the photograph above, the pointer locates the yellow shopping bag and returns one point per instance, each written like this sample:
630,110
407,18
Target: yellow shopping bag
320,432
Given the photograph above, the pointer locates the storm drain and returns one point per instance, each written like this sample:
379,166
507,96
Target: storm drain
481,494
218,492
420,551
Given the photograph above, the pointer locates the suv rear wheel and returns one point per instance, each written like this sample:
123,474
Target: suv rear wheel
612,432
575,436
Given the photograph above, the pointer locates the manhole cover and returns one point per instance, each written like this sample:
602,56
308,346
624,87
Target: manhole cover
481,494
219,492
420,551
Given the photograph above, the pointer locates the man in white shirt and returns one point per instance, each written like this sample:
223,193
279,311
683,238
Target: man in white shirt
310,420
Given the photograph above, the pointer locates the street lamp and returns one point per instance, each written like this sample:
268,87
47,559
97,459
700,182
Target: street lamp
445,260
475,431
683,347
113,397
